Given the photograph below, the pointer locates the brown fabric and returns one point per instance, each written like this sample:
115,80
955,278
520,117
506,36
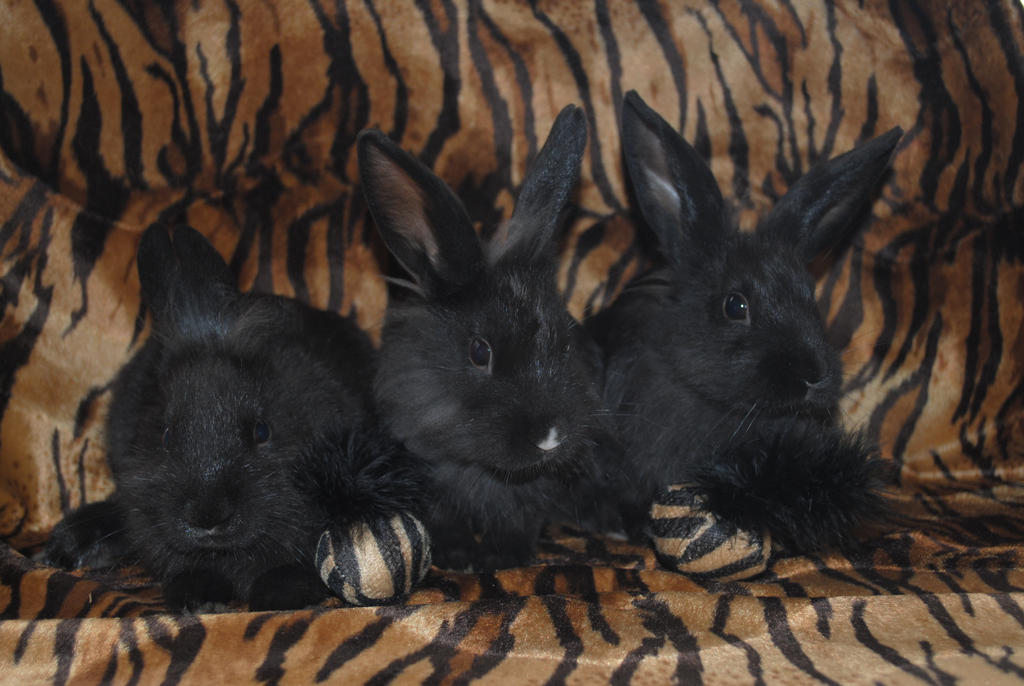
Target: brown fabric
240,119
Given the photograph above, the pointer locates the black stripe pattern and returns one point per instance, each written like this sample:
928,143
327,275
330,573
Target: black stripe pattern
376,561
691,541
239,118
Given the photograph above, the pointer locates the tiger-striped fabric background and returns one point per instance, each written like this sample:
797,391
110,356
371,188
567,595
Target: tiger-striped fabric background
239,117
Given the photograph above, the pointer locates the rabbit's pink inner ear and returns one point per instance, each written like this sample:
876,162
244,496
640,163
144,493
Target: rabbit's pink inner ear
500,243
495,247
661,188
407,208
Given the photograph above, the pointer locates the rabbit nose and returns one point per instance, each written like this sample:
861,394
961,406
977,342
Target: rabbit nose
817,389
208,518
815,374
822,391
552,440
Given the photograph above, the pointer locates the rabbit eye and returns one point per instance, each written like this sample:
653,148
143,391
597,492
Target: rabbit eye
261,432
165,441
735,308
480,353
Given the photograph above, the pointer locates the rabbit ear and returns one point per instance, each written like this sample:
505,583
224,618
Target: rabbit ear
820,207
158,268
421,220
185,283
678,196
545,190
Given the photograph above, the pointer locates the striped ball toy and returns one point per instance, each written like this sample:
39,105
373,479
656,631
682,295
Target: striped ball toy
374,562
690,540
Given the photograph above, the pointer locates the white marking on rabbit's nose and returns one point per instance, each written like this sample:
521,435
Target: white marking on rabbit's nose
551,441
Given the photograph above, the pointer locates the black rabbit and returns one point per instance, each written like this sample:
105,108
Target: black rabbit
717,364
483,372
235,439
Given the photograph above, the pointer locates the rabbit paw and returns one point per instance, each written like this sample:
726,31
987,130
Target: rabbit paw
198,591
287,587
91,536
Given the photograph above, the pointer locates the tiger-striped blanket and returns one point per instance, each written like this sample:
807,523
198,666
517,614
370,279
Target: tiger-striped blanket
240,117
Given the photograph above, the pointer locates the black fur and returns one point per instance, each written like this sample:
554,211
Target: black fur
810,485
359,473
90,536
480,428
201,501
699,396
